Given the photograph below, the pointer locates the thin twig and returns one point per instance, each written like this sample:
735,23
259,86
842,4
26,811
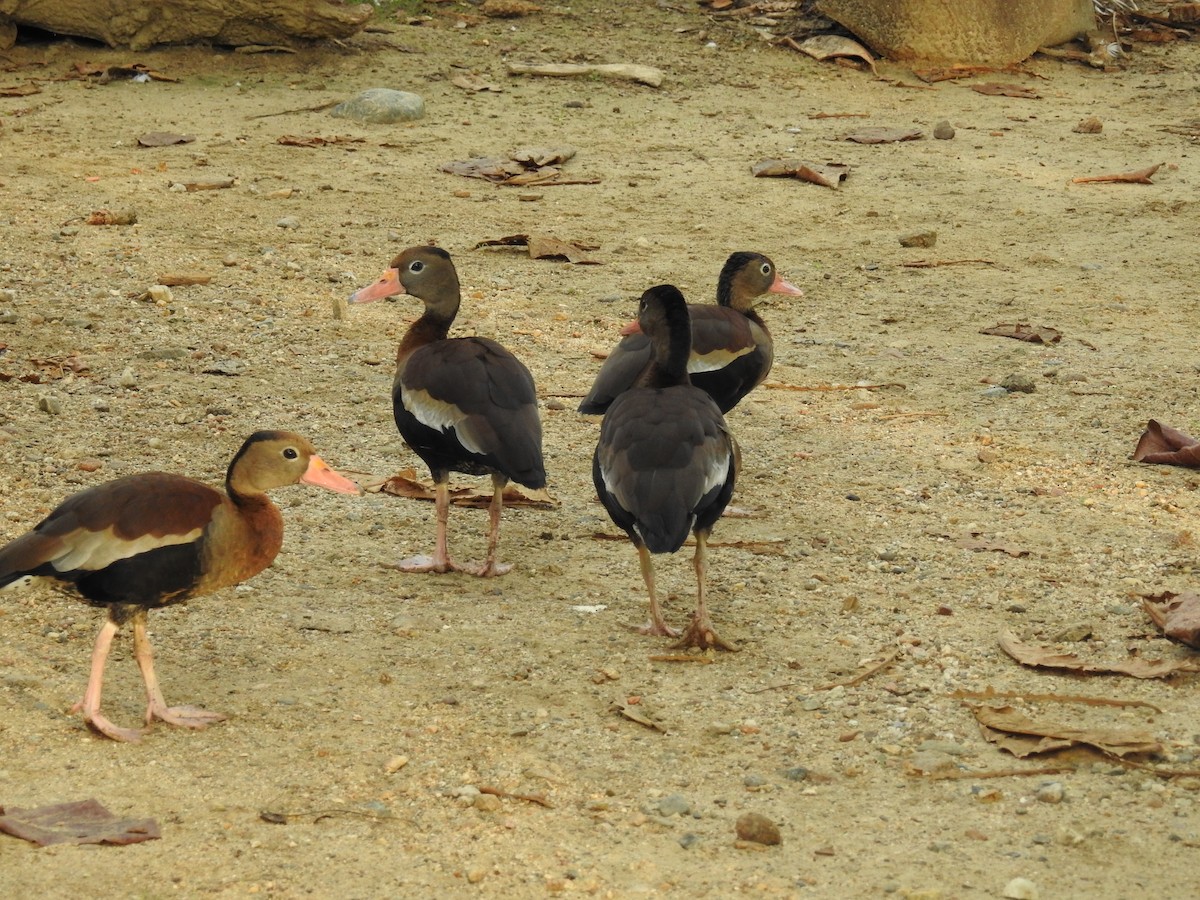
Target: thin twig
992,694
529,798
861,676
999,773
780,386
680,657
303,109
930,264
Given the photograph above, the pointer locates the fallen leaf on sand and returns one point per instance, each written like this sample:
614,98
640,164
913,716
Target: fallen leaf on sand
1141,176
80,822
978,544
1022,736
1040,334
1050,658
1163,444
541,246
164,139
529,165
471,81
108,217
881,135
406,484
828,175
995,89
296,140
1178,615
633,714
831,46
627,71
20,90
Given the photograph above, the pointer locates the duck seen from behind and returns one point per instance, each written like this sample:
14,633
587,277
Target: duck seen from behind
665,463
150,540
731,351
462,404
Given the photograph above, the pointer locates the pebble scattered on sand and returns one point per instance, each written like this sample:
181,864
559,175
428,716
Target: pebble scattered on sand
381,106
943,130
757,828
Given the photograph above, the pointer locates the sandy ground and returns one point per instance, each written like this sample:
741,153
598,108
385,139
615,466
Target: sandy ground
368,708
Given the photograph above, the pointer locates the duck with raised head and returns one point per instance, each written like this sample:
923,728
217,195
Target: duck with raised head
731,351
665,463
462,404
146,541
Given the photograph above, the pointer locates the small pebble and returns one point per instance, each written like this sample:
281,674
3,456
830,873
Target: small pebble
487,803
689,840
674,805
48,403
994,391
160,294
1021,889
925,238
943,130
796,773
395,764
1090,125
758,828
381,106
288,222
1018,384
8,317
1077,631
1050,792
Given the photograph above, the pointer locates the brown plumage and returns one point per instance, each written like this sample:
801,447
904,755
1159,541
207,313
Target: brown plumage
462,404
150,540
665,463
731,350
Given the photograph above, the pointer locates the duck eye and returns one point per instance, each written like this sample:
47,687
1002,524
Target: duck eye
290,453
766,268
416,266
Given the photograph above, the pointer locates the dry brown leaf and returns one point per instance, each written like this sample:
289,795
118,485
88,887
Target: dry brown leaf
627,71
20,90
881,135
978,544
208,184
508,9
1141,176
164,139
1178,615
541,246
828,175
1163,444
830,46
995,89
1022,735
79,822
1040,334
405,483
1050,658
296,140
472,81
181,279
108,217
634,714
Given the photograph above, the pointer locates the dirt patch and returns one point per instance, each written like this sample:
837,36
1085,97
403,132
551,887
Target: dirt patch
413,735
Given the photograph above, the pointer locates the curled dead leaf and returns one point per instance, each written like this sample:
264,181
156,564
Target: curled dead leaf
1022,736
1163,444
1040,334
1050,658
1178,615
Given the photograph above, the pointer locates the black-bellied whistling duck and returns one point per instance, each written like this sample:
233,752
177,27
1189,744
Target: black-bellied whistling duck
731,346
666,463
150,540
462,404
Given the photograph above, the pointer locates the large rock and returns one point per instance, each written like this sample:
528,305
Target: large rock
967,32
138,24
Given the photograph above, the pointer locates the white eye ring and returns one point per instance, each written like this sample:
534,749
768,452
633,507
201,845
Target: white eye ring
766,268
416,266
290,453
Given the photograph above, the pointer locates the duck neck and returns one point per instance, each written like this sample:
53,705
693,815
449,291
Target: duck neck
670,360
427,329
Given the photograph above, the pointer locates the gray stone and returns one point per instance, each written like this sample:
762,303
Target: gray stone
674,805
381,106
1050,792
943,131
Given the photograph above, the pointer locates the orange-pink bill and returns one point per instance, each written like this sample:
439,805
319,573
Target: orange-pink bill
388,285
319,474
